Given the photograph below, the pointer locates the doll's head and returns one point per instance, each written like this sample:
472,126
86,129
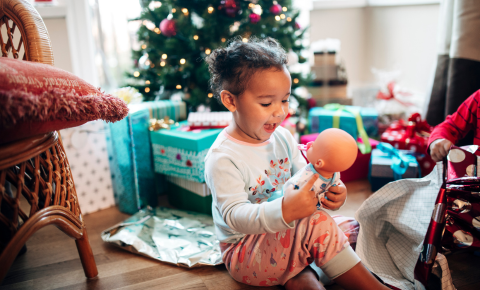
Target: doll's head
334,150
252,81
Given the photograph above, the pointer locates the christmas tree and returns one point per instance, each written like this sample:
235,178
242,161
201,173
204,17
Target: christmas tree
176,35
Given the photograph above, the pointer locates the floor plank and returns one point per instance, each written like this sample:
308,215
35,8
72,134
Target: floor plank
52,262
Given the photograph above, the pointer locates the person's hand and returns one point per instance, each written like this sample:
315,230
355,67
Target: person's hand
336,196
299,203
439,149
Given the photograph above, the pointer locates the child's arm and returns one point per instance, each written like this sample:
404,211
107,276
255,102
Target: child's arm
454,128
225,179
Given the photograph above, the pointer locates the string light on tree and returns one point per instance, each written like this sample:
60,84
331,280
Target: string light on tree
295,81
154,5
147,90
179,87
167,25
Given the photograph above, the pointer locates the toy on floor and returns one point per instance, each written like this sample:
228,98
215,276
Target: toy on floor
333,151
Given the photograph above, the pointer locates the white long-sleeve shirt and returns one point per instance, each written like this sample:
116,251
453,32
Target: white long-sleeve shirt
245,180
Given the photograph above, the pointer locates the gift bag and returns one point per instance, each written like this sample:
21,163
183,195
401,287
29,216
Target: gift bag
455,221
88,157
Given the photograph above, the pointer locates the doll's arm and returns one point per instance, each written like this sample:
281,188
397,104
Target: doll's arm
337,195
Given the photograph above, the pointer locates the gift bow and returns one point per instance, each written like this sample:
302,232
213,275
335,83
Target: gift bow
392,95
364,147
400,161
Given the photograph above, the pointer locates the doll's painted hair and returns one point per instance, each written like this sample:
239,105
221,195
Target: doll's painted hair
231,67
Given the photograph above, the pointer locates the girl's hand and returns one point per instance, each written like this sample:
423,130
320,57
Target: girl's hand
439,149
299,203
336,196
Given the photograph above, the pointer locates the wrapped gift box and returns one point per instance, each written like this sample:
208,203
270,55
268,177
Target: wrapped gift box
382,168
130,154
189,195
359,169
411,135
181,152
321,119
88,158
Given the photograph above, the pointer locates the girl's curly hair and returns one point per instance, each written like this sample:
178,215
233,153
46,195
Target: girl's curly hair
231,67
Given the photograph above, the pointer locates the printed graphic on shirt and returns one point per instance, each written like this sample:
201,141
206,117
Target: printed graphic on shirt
275,177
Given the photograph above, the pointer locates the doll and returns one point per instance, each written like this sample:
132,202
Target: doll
333,150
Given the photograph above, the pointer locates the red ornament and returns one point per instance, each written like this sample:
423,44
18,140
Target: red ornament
254,18
297,25
168,27
276,9
230,7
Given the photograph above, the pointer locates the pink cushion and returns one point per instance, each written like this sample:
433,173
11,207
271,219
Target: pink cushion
37,98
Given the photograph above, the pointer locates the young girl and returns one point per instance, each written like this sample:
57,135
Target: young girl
267,241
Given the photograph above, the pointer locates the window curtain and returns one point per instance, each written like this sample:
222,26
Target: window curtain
457,74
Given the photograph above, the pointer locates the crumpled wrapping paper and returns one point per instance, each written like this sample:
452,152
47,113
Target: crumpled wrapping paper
168,235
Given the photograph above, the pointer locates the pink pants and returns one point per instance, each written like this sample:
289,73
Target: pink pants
271,259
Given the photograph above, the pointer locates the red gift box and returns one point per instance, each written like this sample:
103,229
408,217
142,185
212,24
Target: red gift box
359,169
411,135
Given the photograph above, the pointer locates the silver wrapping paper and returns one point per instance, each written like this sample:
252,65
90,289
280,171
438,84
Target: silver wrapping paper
168,235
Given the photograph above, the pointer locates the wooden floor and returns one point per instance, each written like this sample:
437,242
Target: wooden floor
51,261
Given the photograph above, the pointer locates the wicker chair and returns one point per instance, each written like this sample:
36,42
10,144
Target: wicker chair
35,167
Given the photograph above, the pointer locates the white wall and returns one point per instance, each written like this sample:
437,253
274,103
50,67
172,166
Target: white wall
57,30
385,37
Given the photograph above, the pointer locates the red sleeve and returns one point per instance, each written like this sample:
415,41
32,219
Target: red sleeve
457,125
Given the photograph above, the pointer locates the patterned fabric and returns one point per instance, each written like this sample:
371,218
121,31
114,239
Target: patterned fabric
274,258
393,223
457,125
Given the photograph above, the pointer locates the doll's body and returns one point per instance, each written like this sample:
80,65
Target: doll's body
333,151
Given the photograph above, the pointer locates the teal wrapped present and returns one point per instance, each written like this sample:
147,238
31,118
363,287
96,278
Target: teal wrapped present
130,157
322,118
189,195
388,164
180,152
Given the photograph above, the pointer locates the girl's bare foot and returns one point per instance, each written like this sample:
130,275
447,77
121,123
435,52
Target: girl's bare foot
305,280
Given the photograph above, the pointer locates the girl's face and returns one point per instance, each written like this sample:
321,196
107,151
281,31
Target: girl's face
263,105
